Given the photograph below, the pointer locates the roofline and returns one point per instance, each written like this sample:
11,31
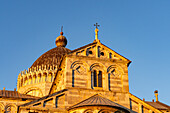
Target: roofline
163,104
118,105
118,53
19,98
82,47
144,101
45,97
168,107
19,95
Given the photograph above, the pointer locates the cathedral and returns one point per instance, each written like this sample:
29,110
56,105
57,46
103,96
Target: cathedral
89,79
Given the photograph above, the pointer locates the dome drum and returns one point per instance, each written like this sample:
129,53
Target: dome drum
36,75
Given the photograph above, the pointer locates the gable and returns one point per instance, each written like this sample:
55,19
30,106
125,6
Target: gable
99,50
97,104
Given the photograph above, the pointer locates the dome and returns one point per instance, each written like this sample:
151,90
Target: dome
51,57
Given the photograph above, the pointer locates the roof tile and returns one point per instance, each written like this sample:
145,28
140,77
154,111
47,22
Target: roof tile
15,94
97,100
159,105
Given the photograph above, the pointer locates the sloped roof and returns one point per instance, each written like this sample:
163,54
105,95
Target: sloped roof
159,105
15,94
97,100
43,98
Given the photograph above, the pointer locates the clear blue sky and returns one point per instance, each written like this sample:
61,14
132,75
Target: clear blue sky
138,30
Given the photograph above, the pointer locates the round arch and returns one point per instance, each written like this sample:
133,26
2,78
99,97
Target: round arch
78,63
98,66
2,107
115,68
10,108
34,91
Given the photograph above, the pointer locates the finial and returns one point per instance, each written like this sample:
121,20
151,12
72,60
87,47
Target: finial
96,25
61,33
61,40
96,31
156,94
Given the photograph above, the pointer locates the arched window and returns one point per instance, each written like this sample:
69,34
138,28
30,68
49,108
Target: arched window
30,80
51,77
21,82
26,81
39,77
35,79
97,78
45,77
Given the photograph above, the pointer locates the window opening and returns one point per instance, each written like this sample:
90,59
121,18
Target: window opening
35,79
100,79
102,53
90,52
45,77
97,78
51,77
110,55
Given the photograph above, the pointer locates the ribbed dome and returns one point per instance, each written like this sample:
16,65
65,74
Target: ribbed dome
51,57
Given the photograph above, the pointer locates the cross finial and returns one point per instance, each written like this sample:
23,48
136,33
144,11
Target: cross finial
96,25
96,32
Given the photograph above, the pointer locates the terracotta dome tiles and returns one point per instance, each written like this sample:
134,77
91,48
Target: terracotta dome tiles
51,57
